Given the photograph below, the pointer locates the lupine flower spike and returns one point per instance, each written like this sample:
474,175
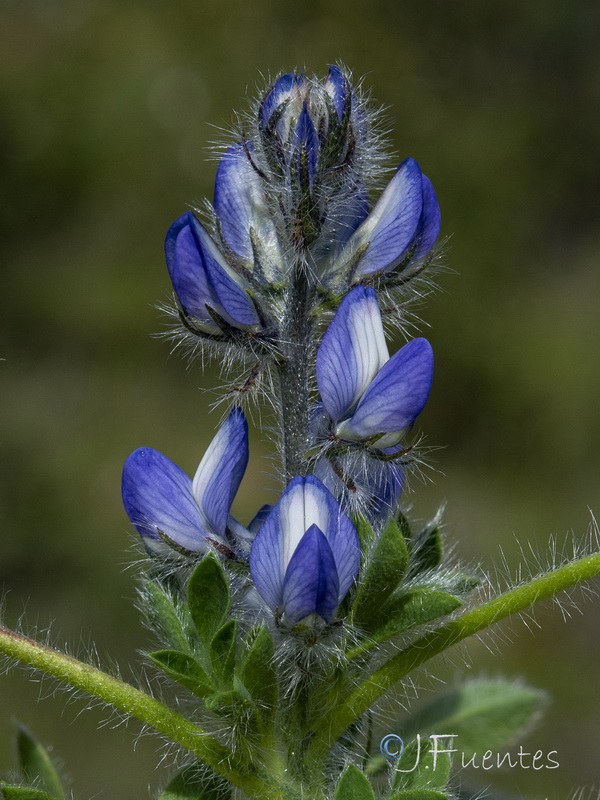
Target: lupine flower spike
287,634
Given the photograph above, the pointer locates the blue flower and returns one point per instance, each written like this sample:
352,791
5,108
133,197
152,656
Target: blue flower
306,554
338,88
305,149
400,230
286,92
305,124
244,218
366,393
163,503
204,281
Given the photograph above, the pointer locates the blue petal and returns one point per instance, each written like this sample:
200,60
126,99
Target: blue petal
430,223
351,353
200,275
266,567
281,91
339,532
336,87
220,472
397,395
306,142
188,274
311,584
391,226
355,211
240,202
301,505
157,496
385,487
260,517
304,503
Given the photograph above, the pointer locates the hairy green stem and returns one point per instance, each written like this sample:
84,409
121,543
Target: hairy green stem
334,723
137,704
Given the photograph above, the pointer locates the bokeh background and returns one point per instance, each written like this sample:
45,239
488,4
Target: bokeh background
107,110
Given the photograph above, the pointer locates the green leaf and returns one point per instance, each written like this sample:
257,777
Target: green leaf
404,526
25,793
353,785
418,794
258,672
426,551
36,765
193,784
364,530
485,715
384,572
208,598
224,703
164,616
410,608
184,669
222,651
461,583
428,769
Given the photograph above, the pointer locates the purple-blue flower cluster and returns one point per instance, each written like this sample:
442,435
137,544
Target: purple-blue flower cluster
290,236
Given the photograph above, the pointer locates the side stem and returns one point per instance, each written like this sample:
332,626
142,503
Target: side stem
335,722
137,704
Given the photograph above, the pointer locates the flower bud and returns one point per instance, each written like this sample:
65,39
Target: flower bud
307,553
207,288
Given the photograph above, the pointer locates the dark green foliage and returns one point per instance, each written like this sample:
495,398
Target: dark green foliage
484,714
426,549
418,794
36,766
208,598
385,570
25,793
412,607
166,616
37,769
192,784
185,670
427,771
222,651
353,785
258,674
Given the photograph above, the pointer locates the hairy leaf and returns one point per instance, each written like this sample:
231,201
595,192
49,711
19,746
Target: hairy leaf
36,765
422,766
164,616
426,551
258,673
184,669
384,572
485,714
208,598
222,651
410,608
193,784
353,785
25,793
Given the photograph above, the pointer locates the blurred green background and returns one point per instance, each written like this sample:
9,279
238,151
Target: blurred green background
107,110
